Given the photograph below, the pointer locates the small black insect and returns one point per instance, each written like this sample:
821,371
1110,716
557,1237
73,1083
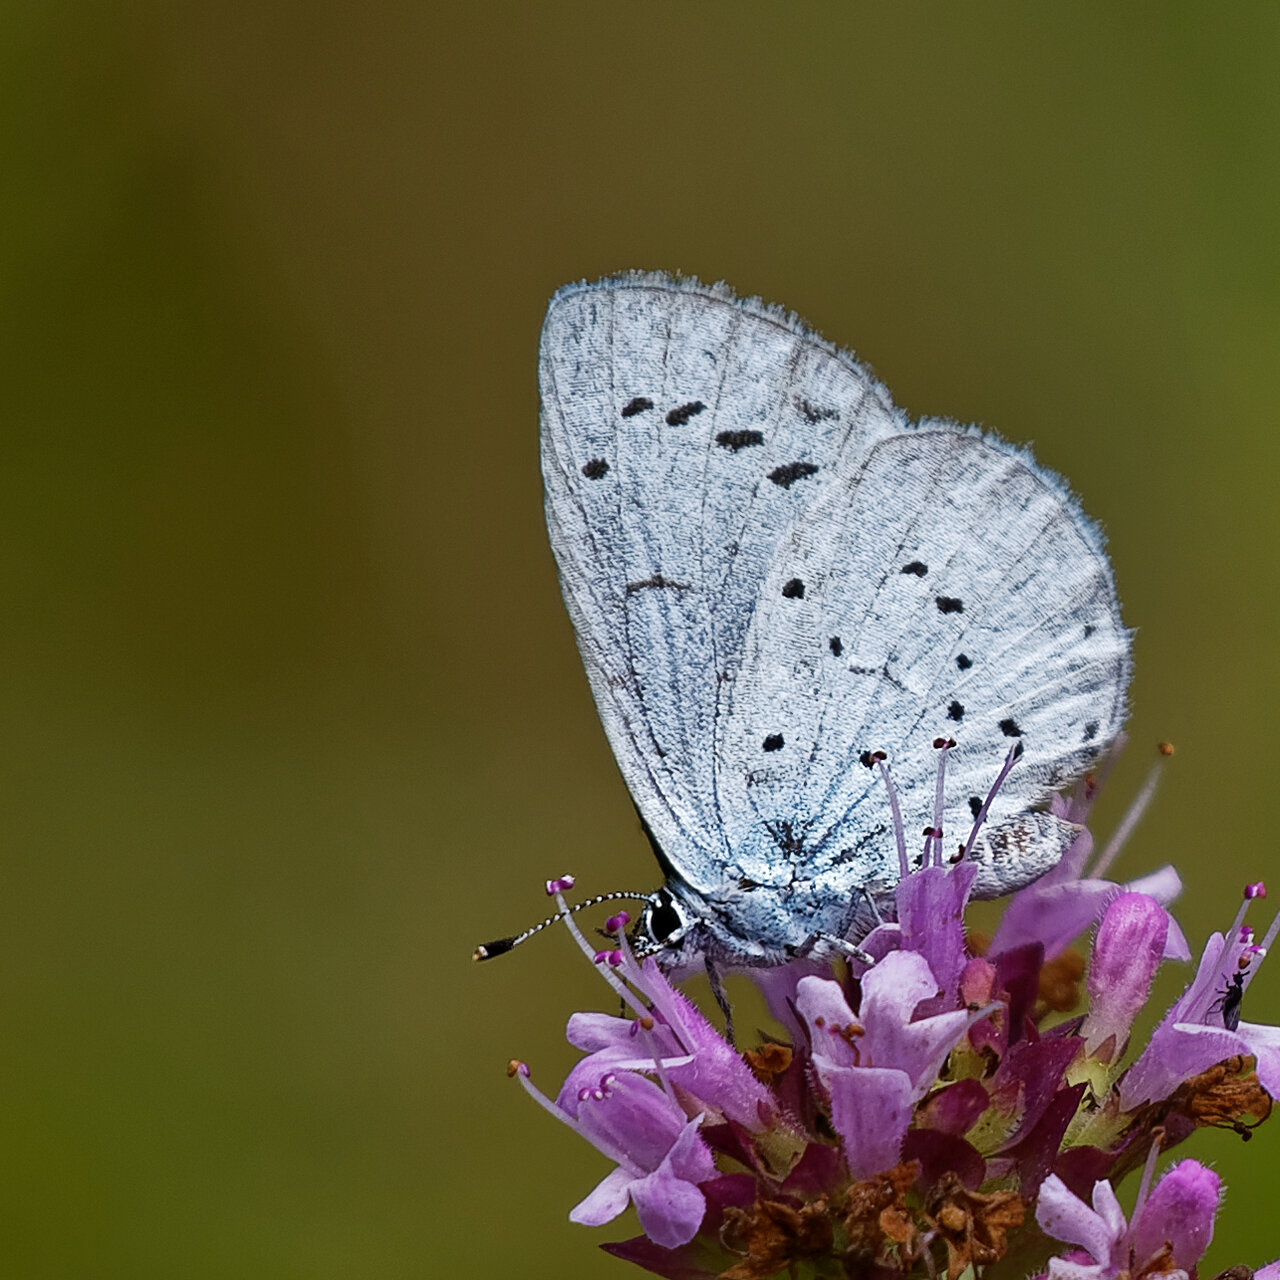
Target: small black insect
1229,1000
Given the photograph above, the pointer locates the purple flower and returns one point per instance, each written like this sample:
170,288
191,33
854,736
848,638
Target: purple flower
1062,904
1203,1026
1171,1227
876,1066
660,1154
929,1099
1126,954
661,1159
675,1038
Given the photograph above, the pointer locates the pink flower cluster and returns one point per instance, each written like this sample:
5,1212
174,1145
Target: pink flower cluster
945,1107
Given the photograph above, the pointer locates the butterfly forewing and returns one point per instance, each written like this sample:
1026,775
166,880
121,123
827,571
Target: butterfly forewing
683,432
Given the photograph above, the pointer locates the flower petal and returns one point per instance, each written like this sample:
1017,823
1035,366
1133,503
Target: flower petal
1174,1054
1264,1043
669,1208
1064,1216
1107,1206
1053,915
1064,1269
870,1110
605,1203
890,993
1179,1212
833,1028
631,1120
690,1158
592,1031
931,906
779,984
1126,954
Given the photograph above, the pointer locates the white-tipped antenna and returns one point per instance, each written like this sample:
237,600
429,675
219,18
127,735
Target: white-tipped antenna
500,946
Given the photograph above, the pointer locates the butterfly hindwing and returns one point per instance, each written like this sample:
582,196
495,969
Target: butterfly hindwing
950,587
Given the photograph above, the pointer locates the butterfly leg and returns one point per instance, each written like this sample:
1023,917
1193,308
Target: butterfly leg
722,999
842,946
875,908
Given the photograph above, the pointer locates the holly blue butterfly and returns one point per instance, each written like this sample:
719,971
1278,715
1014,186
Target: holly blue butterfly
773,573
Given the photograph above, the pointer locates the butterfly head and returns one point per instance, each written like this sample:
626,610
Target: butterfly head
662,925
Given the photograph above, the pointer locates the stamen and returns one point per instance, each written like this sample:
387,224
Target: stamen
943,745
1133,815
1148,1173
1270,936
1015,754
585,947
1238,928
522,1074
904,866
562,885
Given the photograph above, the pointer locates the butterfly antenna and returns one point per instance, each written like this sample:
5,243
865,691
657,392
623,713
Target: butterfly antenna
1015,754
500,946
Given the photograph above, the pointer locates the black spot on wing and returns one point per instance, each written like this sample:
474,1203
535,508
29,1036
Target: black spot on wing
678,417
949,604
836,645
1009,728
1088,630
812,413
594,469
773,742
638,405
655,583
916,567
963,661
1091,731
975,805
786,475
955,712
793,589
736,440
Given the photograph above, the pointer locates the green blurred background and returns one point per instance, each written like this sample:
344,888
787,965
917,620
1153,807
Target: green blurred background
292,710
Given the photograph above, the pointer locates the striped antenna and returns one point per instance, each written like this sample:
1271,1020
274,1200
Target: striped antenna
501,946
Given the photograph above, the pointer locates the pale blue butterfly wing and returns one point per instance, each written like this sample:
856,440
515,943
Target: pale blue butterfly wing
732,503
946,587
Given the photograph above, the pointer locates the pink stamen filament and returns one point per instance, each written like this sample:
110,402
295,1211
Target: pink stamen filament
588,950
1270,936
1009,761
938,805
1148,1174
1130,820
904,865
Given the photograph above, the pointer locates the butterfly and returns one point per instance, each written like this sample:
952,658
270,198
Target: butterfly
774,574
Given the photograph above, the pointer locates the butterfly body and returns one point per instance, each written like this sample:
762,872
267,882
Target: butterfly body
771,571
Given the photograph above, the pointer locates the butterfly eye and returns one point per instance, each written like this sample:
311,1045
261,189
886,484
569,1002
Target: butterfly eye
662,918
